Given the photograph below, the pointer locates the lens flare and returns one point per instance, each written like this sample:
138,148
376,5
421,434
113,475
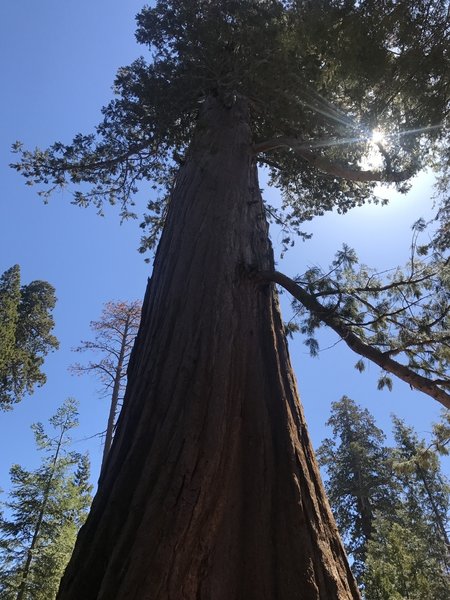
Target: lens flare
378,137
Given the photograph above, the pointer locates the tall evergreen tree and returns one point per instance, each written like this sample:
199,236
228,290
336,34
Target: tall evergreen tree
426,491
409,553
211,489
360,478
44,511
114,335
26,323
441,434
9,315
391,505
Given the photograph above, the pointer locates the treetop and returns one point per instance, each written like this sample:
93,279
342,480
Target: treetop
318,78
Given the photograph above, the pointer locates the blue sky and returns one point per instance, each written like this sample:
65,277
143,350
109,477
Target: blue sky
58,61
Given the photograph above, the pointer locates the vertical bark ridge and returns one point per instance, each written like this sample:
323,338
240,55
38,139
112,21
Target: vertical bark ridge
211,490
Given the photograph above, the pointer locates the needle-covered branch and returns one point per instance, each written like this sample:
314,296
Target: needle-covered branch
330,167
146,129
334,321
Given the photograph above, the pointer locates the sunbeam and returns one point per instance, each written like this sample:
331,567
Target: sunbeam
418,130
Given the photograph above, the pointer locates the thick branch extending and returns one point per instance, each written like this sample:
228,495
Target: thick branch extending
382,359
327,166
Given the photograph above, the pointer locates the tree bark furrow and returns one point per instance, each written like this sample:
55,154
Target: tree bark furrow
208,478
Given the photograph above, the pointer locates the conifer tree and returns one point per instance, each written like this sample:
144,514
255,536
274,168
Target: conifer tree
391,505
211,488
360,482
425,489
409,553
43,513
26,323
114,335
405,560
9,314
441,434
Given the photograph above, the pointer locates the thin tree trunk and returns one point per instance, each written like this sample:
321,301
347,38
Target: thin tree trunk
211,489
437,516
37,529
115,396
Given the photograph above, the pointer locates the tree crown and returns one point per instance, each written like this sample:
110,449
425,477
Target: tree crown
26,324
318,77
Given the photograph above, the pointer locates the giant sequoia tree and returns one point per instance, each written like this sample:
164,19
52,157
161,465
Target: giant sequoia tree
211,489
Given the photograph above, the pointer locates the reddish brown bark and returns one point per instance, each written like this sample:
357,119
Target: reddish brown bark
211,489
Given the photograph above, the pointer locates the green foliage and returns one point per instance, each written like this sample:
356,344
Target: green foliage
391,506
359,480
26,323
404,313
322,75
44,511
404,561
9,315
441,434
325,73
426,492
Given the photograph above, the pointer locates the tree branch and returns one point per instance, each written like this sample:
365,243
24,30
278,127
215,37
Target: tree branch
383,360
327,166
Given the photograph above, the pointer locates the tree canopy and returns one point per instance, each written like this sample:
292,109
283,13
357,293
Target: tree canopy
26,323
391,505
319,78
44,511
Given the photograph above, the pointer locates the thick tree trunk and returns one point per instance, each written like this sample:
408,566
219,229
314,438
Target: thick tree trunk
211,489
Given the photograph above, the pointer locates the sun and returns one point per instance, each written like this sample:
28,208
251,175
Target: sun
378,136
373,158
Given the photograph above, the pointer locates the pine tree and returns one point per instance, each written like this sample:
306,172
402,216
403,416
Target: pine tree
408,555
404,561
391,505
426,490
211,489
44,511
115,333
441,434
9,314
359,476
26,323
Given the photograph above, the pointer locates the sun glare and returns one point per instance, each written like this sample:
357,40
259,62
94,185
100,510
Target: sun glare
378,136
373,158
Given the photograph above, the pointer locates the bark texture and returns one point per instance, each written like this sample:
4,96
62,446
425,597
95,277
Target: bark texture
211,489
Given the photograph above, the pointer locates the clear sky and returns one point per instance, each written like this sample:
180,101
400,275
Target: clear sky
58,61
